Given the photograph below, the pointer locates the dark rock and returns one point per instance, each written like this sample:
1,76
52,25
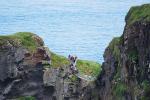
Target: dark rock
23,73
125,71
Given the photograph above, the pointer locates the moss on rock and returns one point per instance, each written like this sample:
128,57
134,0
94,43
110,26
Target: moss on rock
146,87
89,67
26,39
26,98
138,13
58,60
119,90
114,47
133,55
84,66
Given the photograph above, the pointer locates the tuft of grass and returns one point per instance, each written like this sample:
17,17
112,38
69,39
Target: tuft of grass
89,67
115,50
11,39
58,60
26,98
138,13
28,41
133,55
74,78
25,39
119,90
114,47
146,87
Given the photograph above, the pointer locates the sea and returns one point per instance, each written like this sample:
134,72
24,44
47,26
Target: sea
78,27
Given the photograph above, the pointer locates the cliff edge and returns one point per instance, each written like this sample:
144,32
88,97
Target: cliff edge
126,69
30,71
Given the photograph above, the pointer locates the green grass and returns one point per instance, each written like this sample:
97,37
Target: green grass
88,67
146,87
138,13
26,98
119,90
74,78
14,41
133,55
25,39
114,47
84,66
58,60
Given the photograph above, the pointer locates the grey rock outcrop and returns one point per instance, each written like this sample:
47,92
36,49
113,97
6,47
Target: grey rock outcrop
125,71
28,73
21,72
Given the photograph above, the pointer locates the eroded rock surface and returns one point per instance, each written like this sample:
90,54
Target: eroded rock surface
126,69
21,72
26,73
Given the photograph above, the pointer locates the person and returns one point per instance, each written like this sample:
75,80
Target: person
73,61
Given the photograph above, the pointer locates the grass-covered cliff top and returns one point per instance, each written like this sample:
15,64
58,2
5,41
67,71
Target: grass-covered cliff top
84,66
138,13
26,39
31,41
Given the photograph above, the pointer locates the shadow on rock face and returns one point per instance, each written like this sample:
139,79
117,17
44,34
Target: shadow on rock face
49,90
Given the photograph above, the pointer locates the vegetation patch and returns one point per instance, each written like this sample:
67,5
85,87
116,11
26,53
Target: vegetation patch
58,60
89,67
114,46
73,78
119,90
133,55
118,74
138,13
25,39
26,98
31,42
146,87
84,66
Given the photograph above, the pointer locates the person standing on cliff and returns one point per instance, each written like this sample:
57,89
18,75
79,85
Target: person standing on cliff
73,62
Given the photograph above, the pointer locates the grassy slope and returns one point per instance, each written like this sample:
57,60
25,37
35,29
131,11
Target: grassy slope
26,40
84,66
138,13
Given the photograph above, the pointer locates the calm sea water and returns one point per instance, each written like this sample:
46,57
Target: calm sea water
80,27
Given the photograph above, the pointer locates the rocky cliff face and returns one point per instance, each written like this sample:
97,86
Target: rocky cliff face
29,71
126,68
21,70
26,71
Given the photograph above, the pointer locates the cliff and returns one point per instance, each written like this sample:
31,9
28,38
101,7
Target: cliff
30,71
126,68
